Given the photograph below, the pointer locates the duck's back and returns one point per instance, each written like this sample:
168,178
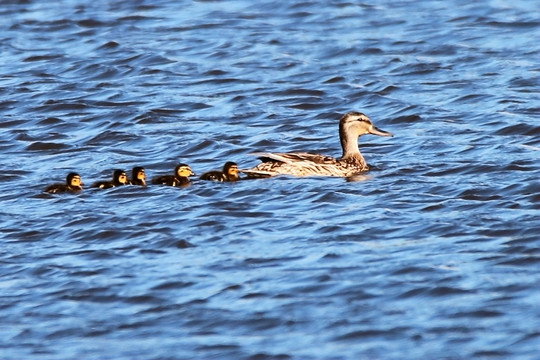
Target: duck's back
213,176
103,185
163,180
170,180
304,164
295,157
61,188
57,188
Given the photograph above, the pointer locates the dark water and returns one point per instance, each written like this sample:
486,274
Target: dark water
432,255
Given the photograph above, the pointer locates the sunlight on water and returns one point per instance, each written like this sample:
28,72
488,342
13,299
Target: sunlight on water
423,257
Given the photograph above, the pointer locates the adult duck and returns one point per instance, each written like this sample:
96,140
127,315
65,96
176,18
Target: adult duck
180,177
229,173
351,126
73,184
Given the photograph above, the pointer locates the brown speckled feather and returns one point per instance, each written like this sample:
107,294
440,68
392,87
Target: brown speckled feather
305,164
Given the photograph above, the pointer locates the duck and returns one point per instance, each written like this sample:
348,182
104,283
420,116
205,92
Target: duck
180,177
138,176
119,178
352,125
73,184
229,173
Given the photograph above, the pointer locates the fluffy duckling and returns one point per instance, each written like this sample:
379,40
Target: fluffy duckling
351,126
119,178
229,173
138,176
180,177
73,184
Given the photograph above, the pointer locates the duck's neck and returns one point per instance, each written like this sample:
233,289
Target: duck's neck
349,144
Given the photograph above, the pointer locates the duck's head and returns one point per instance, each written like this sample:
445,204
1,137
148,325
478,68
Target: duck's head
138,174
74,180
120,177
230,170
183,170
357,124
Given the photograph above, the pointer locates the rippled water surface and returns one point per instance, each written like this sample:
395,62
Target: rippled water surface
434,254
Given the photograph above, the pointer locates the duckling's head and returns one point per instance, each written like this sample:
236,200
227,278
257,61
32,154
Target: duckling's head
120,177
138,174
357,124
74,180
183,170
230,170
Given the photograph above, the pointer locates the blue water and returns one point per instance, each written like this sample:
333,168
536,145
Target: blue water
434,254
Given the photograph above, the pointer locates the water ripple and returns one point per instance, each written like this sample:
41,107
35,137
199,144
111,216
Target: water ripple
439,241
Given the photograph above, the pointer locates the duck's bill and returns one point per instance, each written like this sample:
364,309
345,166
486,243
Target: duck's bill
376,131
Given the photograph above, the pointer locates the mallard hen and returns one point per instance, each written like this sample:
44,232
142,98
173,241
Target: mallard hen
351,126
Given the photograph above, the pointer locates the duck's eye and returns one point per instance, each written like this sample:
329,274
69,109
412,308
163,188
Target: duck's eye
365,121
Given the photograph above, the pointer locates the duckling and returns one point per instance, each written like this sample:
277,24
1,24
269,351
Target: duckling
351,126
229,173
180,177
138,176
73,184
119,178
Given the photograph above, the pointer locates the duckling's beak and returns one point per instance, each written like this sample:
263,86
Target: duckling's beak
376,131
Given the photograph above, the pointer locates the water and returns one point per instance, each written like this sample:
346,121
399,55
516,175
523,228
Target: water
432,255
